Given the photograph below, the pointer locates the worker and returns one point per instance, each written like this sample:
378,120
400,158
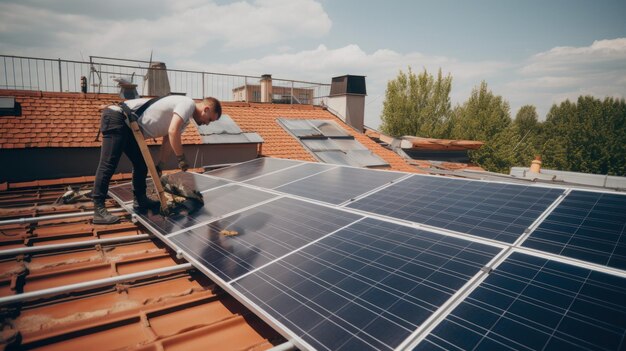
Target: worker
165,118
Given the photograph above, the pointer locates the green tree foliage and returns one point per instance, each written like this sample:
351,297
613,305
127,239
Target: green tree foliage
586,136
417,105
486,117
528,129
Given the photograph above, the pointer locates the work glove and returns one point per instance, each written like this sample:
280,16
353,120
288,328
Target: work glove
182,163
159,168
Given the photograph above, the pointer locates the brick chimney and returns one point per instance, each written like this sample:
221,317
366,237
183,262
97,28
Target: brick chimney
347,99
266,88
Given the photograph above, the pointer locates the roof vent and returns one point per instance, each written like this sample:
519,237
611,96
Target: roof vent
10,107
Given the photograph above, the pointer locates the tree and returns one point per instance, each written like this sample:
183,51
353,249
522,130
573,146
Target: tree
586,136
417,105
486,117
528,131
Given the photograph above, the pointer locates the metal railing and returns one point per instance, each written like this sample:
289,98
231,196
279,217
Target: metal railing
101,73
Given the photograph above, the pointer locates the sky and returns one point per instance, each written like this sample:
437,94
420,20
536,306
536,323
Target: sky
530,52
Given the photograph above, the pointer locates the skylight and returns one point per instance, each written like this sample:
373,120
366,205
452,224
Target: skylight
331,144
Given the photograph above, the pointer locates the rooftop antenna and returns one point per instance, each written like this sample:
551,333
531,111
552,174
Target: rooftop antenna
145,77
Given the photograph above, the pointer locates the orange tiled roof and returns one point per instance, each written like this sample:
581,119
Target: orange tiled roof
182,310
72,120
261,118
61,120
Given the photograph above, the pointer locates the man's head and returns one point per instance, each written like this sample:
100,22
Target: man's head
208,110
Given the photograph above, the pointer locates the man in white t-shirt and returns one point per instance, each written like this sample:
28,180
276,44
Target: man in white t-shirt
165,118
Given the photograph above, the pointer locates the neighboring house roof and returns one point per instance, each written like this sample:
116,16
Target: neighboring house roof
73,119
61,120
262,118
179,310
406,146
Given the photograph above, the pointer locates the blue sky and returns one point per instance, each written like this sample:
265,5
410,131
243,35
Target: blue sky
529,52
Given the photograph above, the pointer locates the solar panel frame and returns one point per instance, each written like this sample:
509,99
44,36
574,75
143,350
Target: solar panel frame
327,186
587,226
265,233
442,310
253,168
459,205
218,203
123,192
554,286
367,268
289,175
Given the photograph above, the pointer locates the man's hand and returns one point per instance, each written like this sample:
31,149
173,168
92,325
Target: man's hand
159,168
182,163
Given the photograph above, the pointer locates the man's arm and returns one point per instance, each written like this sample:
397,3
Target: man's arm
164,151
174,136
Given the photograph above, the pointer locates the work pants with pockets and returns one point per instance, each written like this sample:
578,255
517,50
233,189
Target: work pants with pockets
117,138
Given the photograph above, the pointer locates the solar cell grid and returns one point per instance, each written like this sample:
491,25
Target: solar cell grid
217,202
491,210
189,180
533,303
587,226
367,286
251,169
285,176
265,233
339,184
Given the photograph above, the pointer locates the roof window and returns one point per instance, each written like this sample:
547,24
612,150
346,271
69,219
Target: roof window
331,144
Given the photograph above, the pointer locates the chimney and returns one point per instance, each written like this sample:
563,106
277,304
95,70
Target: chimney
535,166
347,99
158,83
266,88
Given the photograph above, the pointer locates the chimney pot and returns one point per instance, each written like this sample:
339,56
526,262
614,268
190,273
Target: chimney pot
266,88
535,165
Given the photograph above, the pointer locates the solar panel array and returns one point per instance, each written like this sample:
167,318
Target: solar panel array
343,258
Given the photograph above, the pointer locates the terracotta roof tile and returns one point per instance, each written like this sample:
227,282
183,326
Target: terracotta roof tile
182,310
262,119
72,120
52,119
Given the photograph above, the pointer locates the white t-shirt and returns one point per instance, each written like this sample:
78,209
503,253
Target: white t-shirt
155,121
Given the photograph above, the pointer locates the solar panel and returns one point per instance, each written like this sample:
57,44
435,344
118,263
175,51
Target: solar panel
530,303
265,233
288,175
189,180
300,128
365,287
331,278
329,128
340,184
587,226
490,210
251,169
217,203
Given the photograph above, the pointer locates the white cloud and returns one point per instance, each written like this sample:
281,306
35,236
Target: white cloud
183,31
323,63
562,59
562,73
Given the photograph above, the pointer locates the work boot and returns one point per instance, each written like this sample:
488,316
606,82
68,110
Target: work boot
142,202
101,215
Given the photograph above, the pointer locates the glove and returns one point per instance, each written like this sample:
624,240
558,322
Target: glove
182,163
159,168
